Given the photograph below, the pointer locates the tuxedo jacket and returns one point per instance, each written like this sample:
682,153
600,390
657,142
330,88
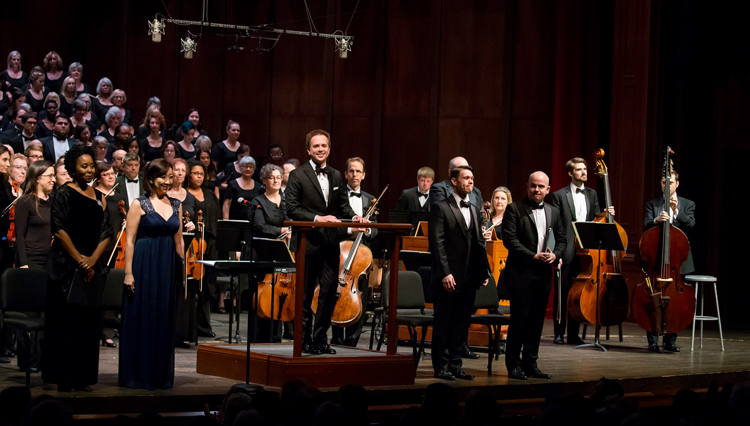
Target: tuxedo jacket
684,220
441,190
520,237
451,249
304,200
563,200
123,190
366,203
409,201
17,144
48,147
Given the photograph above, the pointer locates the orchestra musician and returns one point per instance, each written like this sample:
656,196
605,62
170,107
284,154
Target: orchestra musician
459,265
500,199
316,192
359,201
576,203
681,215
418,197
129,183
6,253
441,190
527,229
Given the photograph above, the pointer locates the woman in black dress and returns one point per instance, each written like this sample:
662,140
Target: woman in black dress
101,103
80,225
118,99
75,70
113,118
500,199
68,95
243,187
170,151
151,145
225,152
186,147
204,157
36,92
232,170
55,72
13,77
46,119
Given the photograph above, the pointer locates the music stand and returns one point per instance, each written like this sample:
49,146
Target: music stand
597,236
231,236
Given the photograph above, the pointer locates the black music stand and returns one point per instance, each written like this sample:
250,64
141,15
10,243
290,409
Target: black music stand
231,236
597,236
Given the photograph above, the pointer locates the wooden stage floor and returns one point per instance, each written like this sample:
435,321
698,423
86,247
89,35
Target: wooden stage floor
644,375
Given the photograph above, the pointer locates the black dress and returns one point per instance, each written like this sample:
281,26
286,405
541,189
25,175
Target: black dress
54,85
71,332
9,83
236,210
97,107
65,106
33,234
222,155
148,152
211,215
185,154
42,131
36,105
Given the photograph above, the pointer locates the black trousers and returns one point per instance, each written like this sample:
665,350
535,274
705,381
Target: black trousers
451,329
321,269
669,338
568,274
349,336
528,307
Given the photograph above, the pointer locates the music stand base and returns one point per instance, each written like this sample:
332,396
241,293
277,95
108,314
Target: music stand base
595,345
249,388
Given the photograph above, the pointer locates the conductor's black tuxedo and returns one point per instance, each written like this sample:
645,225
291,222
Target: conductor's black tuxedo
458,250
304,200
528,280
563,200
409,201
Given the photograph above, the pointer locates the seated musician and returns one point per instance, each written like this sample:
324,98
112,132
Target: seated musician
418,197
500,199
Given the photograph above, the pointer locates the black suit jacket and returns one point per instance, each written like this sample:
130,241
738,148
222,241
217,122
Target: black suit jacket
304,200
409,201
366,203
563,200
450,246
685,220
123,190
17,144
520,237
48,146
441,190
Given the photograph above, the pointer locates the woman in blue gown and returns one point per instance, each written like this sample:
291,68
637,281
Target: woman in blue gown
154,242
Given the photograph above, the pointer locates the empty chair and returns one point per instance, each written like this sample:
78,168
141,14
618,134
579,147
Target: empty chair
487,298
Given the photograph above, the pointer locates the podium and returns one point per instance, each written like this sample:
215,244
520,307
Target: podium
275,363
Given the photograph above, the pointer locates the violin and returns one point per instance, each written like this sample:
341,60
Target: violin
613,290
121,241
196,251
12,216
662,303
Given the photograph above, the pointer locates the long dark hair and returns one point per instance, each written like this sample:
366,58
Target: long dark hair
29,186
3,150
211,169
154,169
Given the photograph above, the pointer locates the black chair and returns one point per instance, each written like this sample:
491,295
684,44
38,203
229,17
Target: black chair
487,298
112,298
23,290
409,312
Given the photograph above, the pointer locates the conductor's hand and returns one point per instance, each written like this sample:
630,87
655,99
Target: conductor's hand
328,218
449,283
130,282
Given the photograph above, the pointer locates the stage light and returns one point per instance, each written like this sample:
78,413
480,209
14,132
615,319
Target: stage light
156,29
188,46
343,46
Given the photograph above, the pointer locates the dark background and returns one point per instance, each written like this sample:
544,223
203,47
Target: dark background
514,86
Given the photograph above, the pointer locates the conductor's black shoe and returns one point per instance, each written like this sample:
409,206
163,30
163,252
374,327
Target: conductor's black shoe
461,374
575,340
444,374
517,373
326,349
536,373
309,348
653,347
468,354
558,340
671,347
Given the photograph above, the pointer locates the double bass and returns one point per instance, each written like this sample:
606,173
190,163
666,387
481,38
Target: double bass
613,290
663,304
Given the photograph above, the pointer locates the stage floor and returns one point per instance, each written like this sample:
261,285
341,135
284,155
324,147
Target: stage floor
572,370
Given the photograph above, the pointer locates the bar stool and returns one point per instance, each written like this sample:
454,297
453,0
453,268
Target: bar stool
698,280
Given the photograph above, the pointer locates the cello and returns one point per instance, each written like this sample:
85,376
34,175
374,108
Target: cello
613,291
663,304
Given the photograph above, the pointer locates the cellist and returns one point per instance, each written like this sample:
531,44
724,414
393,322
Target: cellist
576,204
681,215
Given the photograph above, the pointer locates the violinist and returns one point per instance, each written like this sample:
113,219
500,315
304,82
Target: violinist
130,181
500,199
6,254
576,204
681,215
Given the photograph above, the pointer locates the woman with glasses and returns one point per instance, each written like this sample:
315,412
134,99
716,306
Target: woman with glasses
243,187
19,167
33,234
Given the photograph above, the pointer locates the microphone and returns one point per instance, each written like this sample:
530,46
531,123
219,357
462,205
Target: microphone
247,203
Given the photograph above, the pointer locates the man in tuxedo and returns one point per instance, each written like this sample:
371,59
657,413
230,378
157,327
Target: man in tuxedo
576,204
529,228
129,183
442,190
681,214
23,140
316,192
417,198
59,143
459,267
359,201
14,127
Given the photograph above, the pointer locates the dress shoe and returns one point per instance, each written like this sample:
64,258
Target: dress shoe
8,354
468,354
444,374
461,374
84,389
653,347
575,340
107,344
517,373
309,348
221,311
182,345
326,349
210,334
558,340
671,347
534,372
4,360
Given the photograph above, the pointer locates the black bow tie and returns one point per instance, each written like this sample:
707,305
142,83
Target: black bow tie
466,204
579,191
424,195
536,206
319,170
355,194
131,180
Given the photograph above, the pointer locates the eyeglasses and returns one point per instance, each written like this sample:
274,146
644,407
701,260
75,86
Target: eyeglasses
21,168
197,173
48,176
31,122
248,166
274,178
356,172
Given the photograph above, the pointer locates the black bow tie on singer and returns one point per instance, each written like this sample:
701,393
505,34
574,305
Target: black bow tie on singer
355,194
466,204
579,191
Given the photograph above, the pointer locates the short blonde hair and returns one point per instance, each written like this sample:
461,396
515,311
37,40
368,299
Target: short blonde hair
426,172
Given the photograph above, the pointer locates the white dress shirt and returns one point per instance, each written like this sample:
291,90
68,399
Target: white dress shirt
421,199
61,146
540,219
464,210
323,180
133,189
357,204
580,203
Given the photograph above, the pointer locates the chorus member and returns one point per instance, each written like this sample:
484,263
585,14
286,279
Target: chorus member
16,102
68,95
207,202
13,77
360,201
459,262
178,192
34,152
82,133
130,182
117,158
225,152
36,92
170,151
123,136
113,118
276,155
80,225
500,199
144,129
151,145
101,103
47,121
204,157
203,142
75,70
154,243
243,187
681,214
316,192
288,167
119,98
54,68
32,216
79,112
187,150
100,146
22,141
59,143
135,148
442,190
528,229
6,253
61,173
418,197
15,126
19,165
232,170
194,117
576,203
